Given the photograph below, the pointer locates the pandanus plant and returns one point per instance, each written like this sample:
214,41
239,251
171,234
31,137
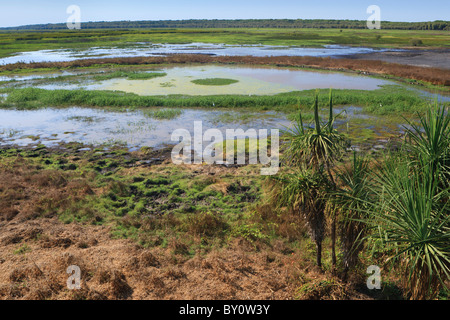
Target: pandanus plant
316,146
412,218
411,215
352,199
303,191
429,142
310,151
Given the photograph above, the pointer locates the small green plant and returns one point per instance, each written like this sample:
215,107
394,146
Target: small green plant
319,289
250,232
416,42
24,248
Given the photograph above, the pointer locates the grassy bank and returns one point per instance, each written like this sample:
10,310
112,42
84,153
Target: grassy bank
388,100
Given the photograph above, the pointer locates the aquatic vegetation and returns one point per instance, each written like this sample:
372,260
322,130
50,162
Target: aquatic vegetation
163,114
214,82
10,133
167,84
130,75
27,40
87,119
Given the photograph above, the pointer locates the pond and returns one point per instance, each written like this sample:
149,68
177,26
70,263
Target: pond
251,81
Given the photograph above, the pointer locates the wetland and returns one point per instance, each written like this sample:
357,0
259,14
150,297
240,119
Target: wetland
86,175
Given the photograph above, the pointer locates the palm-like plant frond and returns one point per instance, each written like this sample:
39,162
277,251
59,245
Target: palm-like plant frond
412,216
304,191
316,146
352,199
430,141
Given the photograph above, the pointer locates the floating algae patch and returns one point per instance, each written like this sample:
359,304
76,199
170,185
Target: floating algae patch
214,82
133,75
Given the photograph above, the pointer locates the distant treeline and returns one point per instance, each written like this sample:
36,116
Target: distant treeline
259,23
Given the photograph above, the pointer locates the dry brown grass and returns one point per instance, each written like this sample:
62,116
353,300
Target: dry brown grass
119,269
28,191
432,75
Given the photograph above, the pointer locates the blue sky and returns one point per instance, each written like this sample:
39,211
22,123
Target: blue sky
21,12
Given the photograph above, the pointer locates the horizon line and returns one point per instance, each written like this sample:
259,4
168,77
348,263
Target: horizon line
209,19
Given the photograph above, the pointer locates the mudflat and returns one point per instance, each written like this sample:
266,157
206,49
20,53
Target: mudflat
435,58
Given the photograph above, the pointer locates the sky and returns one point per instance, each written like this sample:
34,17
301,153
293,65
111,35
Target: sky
23,12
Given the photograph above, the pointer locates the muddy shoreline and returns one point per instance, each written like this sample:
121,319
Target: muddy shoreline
436,58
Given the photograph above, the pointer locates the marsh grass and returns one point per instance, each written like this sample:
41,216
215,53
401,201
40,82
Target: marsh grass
385,101
20,41
163,114
243,117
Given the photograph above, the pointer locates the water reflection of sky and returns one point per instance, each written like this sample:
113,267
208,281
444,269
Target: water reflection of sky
96,126
146,49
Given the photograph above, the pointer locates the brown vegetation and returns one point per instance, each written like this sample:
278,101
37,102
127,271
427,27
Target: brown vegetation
120,269
432,75
36,249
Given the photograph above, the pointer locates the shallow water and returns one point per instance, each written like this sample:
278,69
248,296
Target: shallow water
252,81
145,49
432,96
132,128
40,76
